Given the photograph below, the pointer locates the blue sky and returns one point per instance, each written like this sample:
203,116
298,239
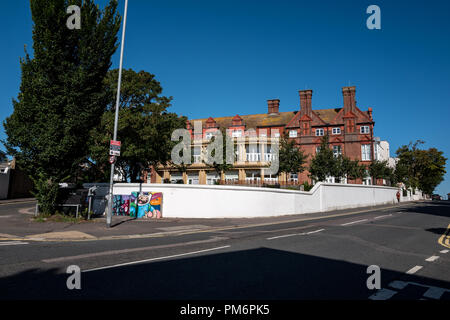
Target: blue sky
220,58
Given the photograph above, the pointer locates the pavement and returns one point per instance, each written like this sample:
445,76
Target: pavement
17,224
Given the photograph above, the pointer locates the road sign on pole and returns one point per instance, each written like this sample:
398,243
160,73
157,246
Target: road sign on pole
116,119
112,159
114,148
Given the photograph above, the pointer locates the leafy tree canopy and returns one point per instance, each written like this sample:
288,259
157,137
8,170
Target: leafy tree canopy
417,168
323,164
144,128
291,158
62,92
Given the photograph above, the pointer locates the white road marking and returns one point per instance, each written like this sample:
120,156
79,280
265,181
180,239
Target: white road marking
434,293
353,222
431,293
122,251
295,234
12,243
443,251
311,232
414,270
283,236
380,217
154,259
399,285
383,294
432,258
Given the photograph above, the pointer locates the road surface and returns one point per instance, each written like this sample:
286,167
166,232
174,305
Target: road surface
323,258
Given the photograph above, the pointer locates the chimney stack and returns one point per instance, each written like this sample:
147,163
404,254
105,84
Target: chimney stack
305,102
349,98
273,106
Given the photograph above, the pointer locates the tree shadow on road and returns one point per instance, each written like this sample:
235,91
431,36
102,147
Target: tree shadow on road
256,274
437,208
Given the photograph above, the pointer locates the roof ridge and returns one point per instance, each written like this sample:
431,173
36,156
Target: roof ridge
261,114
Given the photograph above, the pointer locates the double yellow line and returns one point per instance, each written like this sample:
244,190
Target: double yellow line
444,240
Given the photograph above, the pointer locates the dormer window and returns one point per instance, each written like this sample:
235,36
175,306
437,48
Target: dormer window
336,130
236,133
211,123
365,129
236,121
319,132
292,133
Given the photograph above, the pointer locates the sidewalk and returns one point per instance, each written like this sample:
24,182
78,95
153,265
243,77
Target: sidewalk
12,201
18,225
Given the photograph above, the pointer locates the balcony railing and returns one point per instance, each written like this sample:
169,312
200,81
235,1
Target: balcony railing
197,158
253,157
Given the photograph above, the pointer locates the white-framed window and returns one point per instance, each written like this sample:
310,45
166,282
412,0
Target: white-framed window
236,133
365,152
365,129
319,132
271,177
293,177
292,133
197,154
209,135
337,151
336,130
317,149
276,134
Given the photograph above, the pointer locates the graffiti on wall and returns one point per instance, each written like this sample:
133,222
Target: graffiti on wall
138,205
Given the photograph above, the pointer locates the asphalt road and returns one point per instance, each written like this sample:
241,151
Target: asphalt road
308,260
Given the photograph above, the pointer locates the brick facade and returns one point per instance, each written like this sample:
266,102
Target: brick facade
350,132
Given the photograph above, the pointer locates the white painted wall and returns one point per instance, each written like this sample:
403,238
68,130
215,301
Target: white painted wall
211,201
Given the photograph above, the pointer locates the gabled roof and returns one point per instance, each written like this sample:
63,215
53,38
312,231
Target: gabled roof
254,120
280,119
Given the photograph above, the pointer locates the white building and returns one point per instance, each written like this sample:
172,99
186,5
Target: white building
382,152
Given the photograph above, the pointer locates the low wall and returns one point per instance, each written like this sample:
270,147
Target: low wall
205,201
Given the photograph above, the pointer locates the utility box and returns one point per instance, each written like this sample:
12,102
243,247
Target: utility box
72,198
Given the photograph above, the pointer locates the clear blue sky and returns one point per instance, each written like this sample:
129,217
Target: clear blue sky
219,58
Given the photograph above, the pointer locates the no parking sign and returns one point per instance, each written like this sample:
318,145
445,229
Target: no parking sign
114,148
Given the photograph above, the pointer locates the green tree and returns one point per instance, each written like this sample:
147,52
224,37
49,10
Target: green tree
422,169
3,157
223,161
323,164
350,169
62,94
144,129
379,170
291,158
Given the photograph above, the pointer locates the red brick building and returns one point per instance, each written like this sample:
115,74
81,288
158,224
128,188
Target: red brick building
350,132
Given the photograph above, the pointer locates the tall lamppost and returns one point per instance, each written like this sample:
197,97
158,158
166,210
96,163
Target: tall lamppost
116,119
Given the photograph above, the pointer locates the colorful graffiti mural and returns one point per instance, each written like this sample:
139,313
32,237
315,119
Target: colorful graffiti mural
138,205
